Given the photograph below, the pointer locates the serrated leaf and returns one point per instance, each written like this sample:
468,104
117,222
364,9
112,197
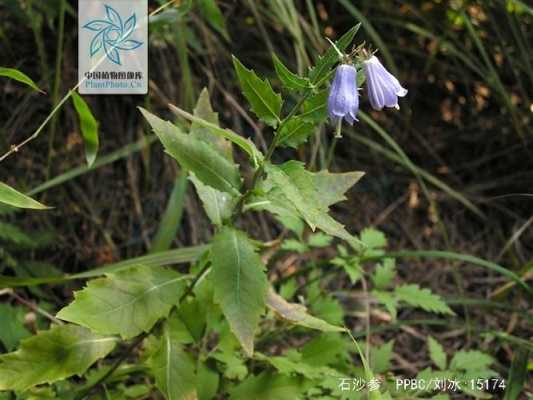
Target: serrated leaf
297,314
245,144
126,303
315,108
388,300
196,156
437,353
265,103
11,197
12,328
380,357
18,76
52,355
333,186
88,126
204,111
291,364
331,56
297,186
217,205
239,282
172,367
472,360
212,14
423,298
289,79
295,132
384,273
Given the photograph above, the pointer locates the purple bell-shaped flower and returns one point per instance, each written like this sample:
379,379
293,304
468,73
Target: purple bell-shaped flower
383,87
343,100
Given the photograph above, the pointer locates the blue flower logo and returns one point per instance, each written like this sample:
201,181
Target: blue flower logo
113,35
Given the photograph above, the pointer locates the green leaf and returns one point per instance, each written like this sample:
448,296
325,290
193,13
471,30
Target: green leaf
88,126
218,205
380,357
265,103
52,355
267,386
245,144
472,360
295,132
315,108
297,314
388,300
373,239
423,298
125,303
289,79
207,382
298,187
12,328
212,14
332,186
331,57
291,364
240,283
384,273
172,367
196,156
20,77
204,111
437,354
11,197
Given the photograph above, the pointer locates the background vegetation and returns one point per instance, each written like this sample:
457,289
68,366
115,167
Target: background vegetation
451,171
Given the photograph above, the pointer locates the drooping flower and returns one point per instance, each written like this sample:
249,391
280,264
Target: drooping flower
383,87
343,100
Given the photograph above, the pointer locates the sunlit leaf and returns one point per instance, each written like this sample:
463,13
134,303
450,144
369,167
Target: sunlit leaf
436,353
88,126
423,298
11,197
218,205
265,103
240,283
18,76
196,156
331,57
297,314
126,303
295,132
52,355
288,78
204,111
173,368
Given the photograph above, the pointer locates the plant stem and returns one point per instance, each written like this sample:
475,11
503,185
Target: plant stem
270,151
142,336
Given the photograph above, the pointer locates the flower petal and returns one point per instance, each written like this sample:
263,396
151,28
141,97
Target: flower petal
114,17
97,25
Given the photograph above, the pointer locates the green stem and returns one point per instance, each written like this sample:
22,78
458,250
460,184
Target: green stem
270,151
